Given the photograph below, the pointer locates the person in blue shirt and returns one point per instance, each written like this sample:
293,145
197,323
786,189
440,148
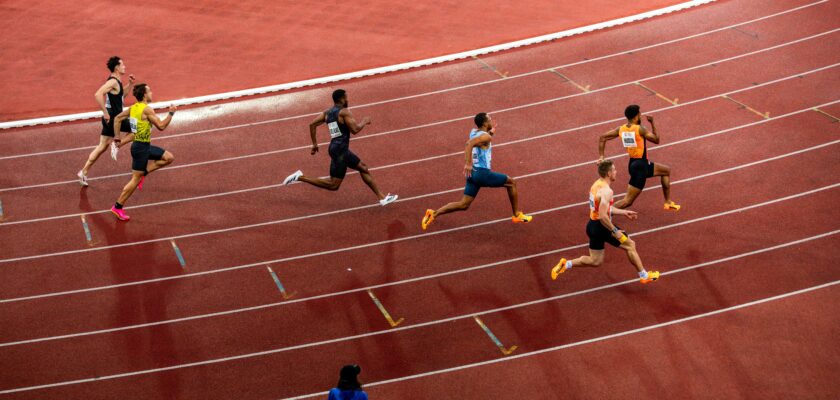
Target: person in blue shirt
348,387
478,155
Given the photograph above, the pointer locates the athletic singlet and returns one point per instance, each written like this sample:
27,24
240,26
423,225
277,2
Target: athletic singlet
114,102
142,128
595,201
633,141
481,158
339,132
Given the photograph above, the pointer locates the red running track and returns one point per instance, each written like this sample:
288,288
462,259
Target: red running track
716,146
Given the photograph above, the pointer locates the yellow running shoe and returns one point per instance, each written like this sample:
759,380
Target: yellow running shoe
427,219
652,277
521,217
671,206
558,269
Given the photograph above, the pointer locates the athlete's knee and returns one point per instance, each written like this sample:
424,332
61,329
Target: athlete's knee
168,157
596,261
362,168
510,182
334,185
629,244
465,204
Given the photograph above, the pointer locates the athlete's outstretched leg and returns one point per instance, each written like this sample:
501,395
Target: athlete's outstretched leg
104,142
365,173
632,193
510,185
330,183
664,172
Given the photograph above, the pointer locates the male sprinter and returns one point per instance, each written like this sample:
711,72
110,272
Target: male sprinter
634,137
600,229
341,124
145,157
478,155
110,99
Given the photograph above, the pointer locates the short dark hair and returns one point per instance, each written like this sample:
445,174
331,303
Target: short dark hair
113,62
139,91
349,378
338,95
480,119
604,168
631,111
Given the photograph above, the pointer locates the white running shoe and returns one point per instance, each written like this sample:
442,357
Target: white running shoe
82,178
292,178
390,198
114,150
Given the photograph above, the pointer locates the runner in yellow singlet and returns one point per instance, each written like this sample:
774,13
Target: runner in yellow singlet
145,157
634,137
601,229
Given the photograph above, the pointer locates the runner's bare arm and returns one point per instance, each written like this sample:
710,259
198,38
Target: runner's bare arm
128,89
602,142
651,136
153,118
314,124
351,122
118,119
605,195
482,140
106,87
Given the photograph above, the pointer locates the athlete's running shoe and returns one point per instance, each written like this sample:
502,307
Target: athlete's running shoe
390,198
293,178
558,269
120,213
521,217
140,185
82,178
427,219
652,277
671,206
114,150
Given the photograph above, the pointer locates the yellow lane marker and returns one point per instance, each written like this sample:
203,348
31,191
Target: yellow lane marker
835,119
560,74
490,67
384,311
674,101
762,115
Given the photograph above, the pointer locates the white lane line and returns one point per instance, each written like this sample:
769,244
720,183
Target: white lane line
623,52
275,222
403,327
388,284
381,167
588,341
436,123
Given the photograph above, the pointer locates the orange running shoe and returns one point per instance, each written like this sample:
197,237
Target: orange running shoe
521,217
671,206
652,277
558,269
427,219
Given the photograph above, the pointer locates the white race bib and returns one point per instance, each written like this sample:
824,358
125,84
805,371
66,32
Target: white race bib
133,123
628,139
334,130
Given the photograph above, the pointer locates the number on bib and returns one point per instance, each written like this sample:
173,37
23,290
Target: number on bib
334,130
628,138
133,123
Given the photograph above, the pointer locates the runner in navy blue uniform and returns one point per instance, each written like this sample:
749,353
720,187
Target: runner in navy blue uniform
110,99
341,124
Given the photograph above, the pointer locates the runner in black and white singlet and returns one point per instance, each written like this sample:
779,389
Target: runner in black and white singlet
109,97
341,125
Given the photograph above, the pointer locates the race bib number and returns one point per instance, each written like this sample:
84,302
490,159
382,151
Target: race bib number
591,202
133,123
629,139
334,130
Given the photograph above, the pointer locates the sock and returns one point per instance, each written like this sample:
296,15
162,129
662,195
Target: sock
643,274
118,206
569,264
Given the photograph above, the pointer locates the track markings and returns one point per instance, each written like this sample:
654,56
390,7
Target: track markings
750,34
88,236
490,67
833,120
279,285
765,115
2,217
384,311
657,94
493,337
178,253
585,89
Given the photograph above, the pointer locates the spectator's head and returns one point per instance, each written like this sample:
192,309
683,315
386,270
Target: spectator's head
348,378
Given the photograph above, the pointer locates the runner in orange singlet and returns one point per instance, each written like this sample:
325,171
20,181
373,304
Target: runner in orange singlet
634,137
600,229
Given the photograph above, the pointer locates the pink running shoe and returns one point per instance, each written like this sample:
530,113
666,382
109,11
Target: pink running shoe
120,213
140,185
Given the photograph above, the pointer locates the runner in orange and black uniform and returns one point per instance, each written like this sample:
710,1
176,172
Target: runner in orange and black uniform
634,137
601,229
